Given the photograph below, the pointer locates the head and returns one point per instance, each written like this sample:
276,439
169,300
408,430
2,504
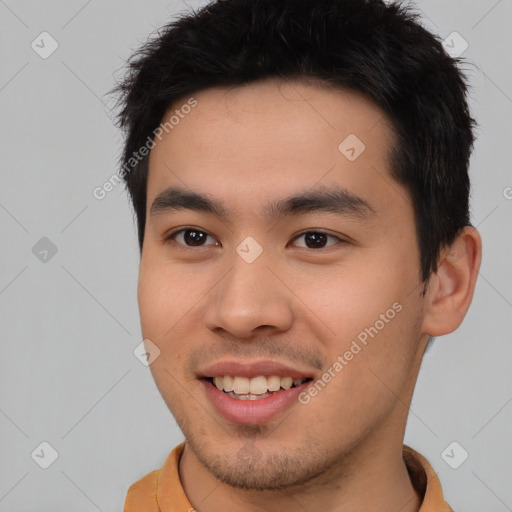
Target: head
304,200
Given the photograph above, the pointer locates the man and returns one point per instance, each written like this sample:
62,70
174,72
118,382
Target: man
299,172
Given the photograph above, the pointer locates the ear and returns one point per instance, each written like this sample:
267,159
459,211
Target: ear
451,287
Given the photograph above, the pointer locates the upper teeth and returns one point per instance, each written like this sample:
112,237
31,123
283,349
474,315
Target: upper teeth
256,385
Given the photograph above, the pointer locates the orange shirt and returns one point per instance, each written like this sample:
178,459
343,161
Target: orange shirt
161,490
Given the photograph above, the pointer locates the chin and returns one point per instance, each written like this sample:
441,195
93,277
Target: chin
257,466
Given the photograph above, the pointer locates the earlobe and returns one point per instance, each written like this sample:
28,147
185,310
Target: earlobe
452,286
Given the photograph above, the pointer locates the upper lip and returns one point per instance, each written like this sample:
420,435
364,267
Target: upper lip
251,369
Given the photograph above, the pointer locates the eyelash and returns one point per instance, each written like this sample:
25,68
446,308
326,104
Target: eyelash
173,235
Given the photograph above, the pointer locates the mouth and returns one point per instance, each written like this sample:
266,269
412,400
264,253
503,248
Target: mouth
252,392
253,401
255,388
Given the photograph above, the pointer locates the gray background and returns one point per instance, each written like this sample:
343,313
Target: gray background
69,325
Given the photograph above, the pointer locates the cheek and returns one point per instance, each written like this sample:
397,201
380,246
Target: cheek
351,297
368,373
170,305
162,297
368,317
165,306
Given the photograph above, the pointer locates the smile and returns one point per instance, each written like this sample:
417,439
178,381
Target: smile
243,388
251,403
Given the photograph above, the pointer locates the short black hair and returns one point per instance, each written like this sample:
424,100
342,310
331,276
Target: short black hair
378,49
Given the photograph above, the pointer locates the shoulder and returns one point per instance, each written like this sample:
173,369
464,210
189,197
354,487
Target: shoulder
143,493
161,486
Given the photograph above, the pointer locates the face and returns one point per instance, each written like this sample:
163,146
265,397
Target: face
279,250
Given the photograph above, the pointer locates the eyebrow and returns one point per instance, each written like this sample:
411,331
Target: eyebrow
335,200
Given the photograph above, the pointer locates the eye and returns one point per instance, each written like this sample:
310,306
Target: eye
190,237
316,239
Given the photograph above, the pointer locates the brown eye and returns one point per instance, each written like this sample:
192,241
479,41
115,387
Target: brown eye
316,239
191,237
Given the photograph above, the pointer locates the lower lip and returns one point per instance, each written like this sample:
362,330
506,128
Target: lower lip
251,412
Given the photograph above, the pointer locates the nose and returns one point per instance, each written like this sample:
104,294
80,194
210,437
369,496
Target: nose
252,299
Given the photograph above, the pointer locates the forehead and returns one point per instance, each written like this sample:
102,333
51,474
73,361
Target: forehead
270,139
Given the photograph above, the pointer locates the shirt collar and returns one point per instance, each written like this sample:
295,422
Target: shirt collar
161,490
